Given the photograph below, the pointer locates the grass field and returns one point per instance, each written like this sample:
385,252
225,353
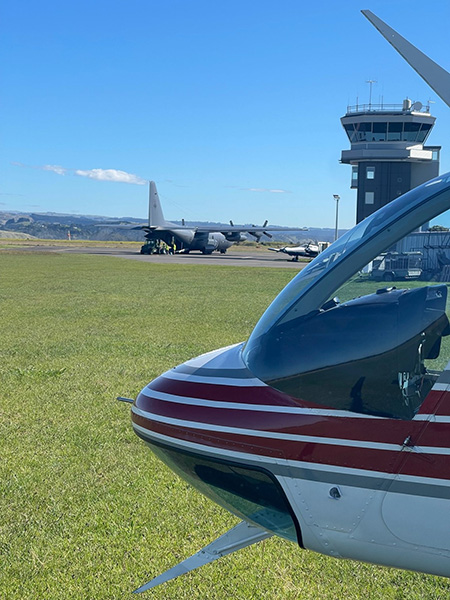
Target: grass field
86,511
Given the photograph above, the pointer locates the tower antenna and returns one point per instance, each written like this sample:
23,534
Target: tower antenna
370,82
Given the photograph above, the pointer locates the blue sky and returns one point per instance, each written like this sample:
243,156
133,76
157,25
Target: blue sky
232,107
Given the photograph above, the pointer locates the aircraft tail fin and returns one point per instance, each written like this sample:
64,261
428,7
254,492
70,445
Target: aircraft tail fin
436,77
155,213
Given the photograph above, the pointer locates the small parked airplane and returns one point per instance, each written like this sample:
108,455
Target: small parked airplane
309,250
204,238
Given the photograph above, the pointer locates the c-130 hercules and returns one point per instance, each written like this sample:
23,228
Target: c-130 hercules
203,238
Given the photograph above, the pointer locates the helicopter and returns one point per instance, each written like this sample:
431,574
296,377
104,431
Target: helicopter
345,449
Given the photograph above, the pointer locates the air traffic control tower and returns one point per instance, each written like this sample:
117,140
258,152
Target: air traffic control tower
387,153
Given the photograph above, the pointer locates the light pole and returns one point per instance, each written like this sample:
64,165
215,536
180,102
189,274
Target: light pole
337,198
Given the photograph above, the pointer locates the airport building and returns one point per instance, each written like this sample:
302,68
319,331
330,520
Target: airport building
388,154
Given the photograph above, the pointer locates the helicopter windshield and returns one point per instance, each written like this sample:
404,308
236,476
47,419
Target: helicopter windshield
345,352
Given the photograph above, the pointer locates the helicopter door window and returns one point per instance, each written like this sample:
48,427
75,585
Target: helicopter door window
367,355
379,350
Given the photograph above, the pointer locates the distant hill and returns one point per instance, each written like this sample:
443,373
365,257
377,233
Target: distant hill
15,235
93,227
80,227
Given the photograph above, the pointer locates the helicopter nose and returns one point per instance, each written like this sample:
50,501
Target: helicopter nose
210,421
212,400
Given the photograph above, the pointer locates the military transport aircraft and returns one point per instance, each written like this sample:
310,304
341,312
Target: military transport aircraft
309,250
204,238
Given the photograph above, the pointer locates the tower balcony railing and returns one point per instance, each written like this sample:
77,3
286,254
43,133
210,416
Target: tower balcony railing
386,108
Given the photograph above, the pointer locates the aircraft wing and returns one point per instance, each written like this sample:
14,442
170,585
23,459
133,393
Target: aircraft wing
284,251
120,225
436,77
257,231
296,251
225,229
245,228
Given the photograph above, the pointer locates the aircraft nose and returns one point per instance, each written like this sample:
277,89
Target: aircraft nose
209,420
196,396
213,399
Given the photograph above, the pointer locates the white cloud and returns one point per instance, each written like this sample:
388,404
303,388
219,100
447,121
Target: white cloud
268,190
111,175
55,169
98,174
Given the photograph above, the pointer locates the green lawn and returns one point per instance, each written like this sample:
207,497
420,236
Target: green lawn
86,511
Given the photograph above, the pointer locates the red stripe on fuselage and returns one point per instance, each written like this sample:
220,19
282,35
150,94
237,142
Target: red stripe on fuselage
223,393
436,402
392,431
432,403
370,459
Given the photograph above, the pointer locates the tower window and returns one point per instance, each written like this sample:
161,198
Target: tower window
395,132
370,198
410,132
370,172
379,132
354,184
350,131
363,132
